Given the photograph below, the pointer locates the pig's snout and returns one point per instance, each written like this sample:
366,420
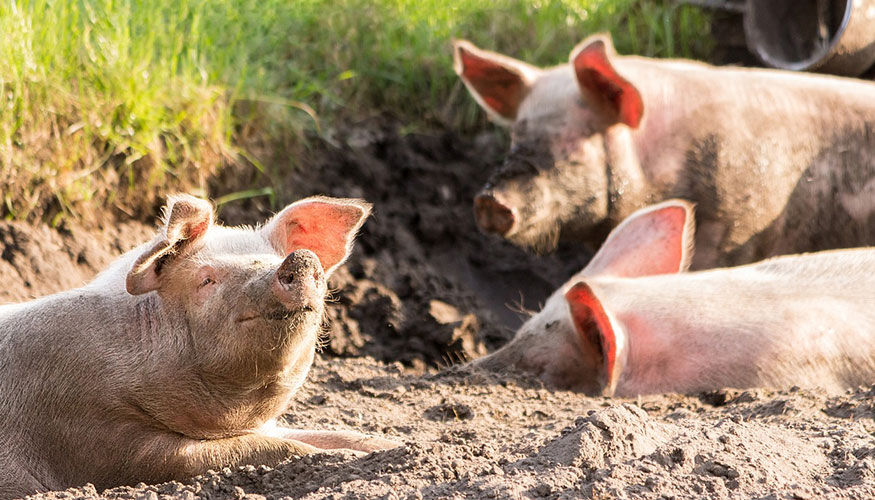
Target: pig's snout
300,280
493,216
298,265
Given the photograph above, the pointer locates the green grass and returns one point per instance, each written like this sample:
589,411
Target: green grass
116,102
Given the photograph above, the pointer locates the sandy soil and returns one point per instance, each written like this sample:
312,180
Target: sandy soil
425,290
482,437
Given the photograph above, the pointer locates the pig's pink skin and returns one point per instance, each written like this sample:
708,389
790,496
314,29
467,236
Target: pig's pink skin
178,358
804,320
776,162
801,320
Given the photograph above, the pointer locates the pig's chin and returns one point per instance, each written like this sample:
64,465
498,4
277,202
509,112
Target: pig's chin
544,235
287,314
571,381
565,367
540,236
281,315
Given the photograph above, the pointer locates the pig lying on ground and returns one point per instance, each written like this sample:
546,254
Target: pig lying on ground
632,323
177,359
776,162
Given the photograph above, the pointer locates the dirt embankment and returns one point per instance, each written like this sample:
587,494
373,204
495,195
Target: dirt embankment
37,261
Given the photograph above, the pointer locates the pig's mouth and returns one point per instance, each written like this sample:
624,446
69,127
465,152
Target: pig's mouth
539,234
281,314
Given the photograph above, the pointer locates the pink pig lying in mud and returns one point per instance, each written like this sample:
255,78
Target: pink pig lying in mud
633,323
177,359
776,162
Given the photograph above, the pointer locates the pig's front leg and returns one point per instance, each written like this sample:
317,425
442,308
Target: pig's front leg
17,482
333,440
185,458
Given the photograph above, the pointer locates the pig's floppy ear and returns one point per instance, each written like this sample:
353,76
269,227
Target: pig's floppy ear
186,220
600,82
654,240
326,226
498,83
597,334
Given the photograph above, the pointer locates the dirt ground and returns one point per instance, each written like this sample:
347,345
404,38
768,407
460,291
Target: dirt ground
423,291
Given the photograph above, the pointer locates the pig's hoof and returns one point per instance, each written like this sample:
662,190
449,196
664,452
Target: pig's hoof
370,444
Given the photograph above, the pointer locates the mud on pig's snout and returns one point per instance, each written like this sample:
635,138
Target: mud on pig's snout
300,280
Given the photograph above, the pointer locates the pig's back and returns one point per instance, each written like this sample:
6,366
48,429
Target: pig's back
720,79
838,271
806,320
825,281
844,273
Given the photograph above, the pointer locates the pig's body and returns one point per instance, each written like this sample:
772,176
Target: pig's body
800,320
104,386
776,162
805,320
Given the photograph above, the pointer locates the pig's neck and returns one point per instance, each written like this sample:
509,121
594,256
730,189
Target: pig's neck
205,394
659,142
643,162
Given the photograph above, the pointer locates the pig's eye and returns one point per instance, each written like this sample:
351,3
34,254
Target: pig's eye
206,281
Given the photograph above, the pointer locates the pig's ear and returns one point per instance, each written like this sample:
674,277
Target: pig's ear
654,240
601,83
597,335
498,83
186,220
326,226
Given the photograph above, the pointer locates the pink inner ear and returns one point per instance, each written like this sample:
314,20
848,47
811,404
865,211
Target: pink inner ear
644,245
188,219
197,230
596,74
593,325
659,248
501,88
323,228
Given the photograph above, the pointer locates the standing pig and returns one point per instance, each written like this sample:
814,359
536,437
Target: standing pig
631,324
776,162
177,359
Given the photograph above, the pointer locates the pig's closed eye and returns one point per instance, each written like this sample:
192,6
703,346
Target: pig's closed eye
206,281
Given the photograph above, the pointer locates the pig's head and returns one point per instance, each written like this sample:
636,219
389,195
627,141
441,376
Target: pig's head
556,177
245,299
576,342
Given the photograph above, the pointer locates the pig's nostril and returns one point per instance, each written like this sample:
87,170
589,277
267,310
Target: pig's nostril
298,265
492,215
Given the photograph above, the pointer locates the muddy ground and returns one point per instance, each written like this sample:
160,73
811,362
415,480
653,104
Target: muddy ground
423,291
